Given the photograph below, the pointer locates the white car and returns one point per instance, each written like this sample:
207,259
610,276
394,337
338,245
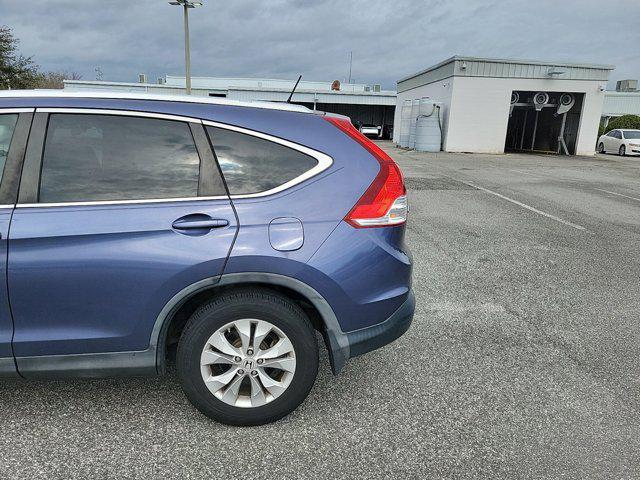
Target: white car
371,131
620,141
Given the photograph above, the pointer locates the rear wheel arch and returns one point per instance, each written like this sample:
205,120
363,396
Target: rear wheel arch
175,314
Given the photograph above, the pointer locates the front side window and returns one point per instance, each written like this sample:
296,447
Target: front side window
254,165
632,134
112,157
7,126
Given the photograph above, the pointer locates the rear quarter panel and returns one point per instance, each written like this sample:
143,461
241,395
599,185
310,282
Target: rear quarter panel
320,203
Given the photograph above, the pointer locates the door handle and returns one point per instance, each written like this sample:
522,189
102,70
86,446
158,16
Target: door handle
200,224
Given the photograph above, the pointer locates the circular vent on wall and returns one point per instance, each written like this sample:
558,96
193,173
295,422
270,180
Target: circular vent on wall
566,99
541,98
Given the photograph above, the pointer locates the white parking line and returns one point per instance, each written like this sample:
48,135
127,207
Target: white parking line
528,207
619,194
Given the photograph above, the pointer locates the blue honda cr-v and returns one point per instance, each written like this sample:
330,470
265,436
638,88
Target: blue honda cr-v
131,224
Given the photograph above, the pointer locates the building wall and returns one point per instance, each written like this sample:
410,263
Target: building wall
224,83
94,86
480,111
503,68
621,103
476,110
368,98
439,91
383,98
432,75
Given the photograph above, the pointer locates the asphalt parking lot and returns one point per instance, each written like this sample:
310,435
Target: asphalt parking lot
522,362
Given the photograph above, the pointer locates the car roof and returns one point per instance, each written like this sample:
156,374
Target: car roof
154,97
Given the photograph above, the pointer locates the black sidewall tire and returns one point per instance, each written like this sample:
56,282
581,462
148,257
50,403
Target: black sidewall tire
258,304
601,148
622,151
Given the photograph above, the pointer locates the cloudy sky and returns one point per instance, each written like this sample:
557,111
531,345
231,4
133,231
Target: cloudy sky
281,38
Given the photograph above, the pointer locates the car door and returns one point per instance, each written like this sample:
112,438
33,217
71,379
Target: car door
117,212
14,129
608,141
616,140
621,140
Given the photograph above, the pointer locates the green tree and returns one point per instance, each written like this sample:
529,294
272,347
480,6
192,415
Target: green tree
16,70
625,121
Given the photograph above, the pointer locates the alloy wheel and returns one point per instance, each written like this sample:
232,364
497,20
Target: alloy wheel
248,363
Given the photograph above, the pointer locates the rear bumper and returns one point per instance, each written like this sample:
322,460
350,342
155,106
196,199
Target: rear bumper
371,338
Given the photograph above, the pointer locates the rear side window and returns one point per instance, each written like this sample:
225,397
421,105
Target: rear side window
7,126
254,165
111,157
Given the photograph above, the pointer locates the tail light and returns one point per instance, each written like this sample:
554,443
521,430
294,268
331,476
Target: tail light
384,203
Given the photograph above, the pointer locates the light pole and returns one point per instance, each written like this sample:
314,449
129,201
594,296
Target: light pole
186,5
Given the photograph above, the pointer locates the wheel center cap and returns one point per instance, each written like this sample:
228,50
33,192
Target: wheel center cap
248,364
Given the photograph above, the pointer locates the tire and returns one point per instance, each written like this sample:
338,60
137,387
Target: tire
601,148
622,151
259,307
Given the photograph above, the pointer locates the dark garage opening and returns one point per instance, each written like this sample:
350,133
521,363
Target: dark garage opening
376,115
544,122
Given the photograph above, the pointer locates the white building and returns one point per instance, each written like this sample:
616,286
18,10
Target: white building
618,103
477,111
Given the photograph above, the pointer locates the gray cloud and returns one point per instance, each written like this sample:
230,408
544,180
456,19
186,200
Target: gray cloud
282,38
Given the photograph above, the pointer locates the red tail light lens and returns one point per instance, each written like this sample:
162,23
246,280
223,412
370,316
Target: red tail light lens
384,203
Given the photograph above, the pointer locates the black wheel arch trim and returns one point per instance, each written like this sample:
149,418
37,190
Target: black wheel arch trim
335,339
8,368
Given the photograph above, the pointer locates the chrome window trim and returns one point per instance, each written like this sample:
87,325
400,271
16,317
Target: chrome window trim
119,202
324,160
16,110
122,113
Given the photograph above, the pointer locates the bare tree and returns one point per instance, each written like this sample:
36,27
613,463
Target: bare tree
55,79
